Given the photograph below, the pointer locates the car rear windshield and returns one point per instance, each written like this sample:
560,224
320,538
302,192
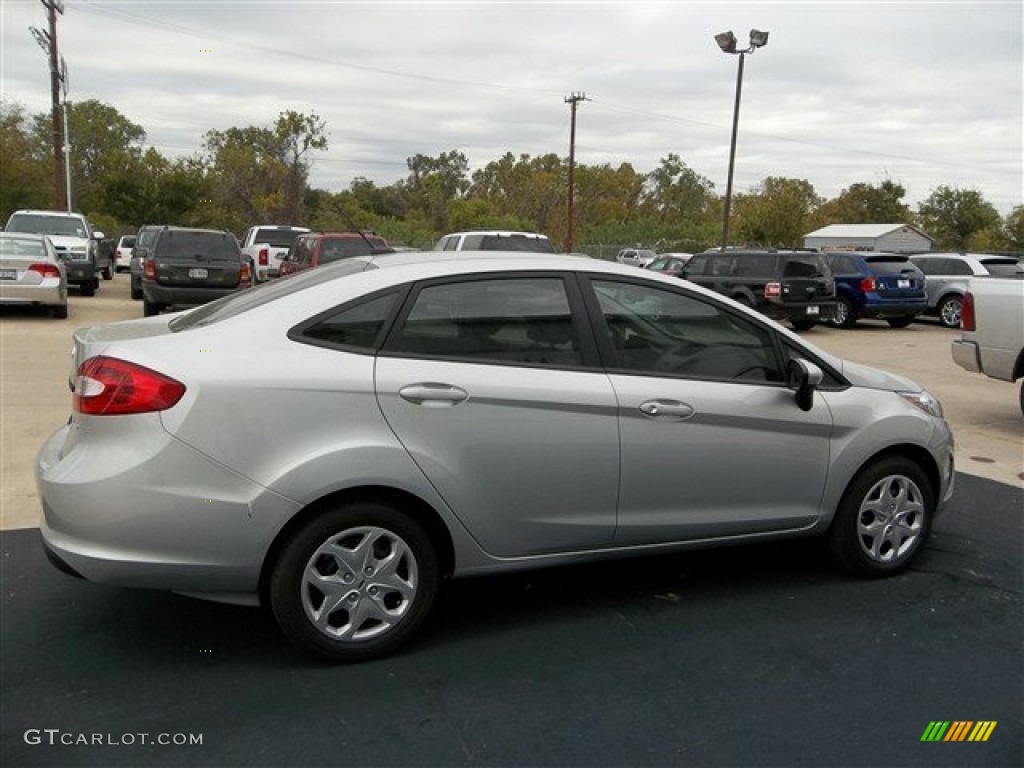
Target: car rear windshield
891,265
128,241
212,245
806,265
1003,267
279,238
336,248
69,226
514,243
242,301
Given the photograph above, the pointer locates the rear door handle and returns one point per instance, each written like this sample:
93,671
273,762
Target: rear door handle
668,410
433,395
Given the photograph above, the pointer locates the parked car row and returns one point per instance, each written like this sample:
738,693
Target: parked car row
32,273
75,241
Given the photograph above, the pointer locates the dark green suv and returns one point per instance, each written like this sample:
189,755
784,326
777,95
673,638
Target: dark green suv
191,266
785,285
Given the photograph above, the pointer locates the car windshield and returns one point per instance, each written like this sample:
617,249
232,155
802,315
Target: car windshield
1003,267
237,303
279,238
336,248
213,245
21,246
69,226
806,265
516,243
891,265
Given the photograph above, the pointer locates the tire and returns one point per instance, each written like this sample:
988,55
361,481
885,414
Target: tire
136,293
373,611
883,520
846,313
950,310
107,273
60,312
149,309
803,325
900,322
87,289
1022,396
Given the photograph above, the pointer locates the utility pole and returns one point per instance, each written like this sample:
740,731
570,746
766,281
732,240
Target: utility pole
48,42
570,240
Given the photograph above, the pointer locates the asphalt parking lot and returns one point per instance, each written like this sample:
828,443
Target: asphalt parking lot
759,655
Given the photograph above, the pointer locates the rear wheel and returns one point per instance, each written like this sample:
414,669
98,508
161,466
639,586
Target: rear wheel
355,582
87,289
60,312
149,308
107,273
883,519
950,311
846,313
803,325
900,322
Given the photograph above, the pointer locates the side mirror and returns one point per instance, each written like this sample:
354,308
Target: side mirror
98,236
803,377
140,252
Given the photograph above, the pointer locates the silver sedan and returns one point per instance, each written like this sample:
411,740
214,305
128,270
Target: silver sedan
31,273
336,444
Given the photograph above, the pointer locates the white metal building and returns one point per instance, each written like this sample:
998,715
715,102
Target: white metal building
893,238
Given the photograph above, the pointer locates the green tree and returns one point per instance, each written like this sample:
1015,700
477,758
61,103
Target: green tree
26,174
260,174
103,143
778,215
434,182
675,191
863,203
954,216
1013,229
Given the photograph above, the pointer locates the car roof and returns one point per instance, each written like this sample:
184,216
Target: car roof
499,233
22,235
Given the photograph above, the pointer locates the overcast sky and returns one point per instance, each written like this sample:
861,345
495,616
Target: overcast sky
922,93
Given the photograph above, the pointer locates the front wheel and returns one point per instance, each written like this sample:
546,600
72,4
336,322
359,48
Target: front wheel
355,582
883,519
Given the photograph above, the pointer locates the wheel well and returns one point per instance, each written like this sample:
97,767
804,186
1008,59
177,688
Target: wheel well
945,296
403,501
916,454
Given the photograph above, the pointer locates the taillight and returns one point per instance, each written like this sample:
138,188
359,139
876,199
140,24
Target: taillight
107,386
44,269
967,313
869,285
264,256
149,269
244,275
773,290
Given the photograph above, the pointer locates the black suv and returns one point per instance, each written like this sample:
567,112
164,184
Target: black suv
786,285
191,266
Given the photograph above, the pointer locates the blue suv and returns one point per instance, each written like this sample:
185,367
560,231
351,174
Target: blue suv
886,286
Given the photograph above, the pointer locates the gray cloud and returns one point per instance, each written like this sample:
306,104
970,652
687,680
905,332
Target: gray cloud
923,93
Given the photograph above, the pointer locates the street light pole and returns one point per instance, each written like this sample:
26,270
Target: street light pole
727,42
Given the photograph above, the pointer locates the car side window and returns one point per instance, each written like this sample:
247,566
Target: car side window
958,267
662,332
520,320
696,266
721,266
357,325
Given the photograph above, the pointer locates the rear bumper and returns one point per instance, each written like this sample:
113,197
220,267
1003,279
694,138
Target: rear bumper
50,292
80,271
965,354
163,294
882,308
817,311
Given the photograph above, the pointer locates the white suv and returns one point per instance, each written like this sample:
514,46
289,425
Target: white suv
495,240
76,243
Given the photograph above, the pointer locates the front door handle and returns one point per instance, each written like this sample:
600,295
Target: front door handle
433,395
669,410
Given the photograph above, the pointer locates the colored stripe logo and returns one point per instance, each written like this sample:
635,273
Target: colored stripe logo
958,730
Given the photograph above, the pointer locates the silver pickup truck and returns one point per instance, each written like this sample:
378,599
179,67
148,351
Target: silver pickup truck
993,329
